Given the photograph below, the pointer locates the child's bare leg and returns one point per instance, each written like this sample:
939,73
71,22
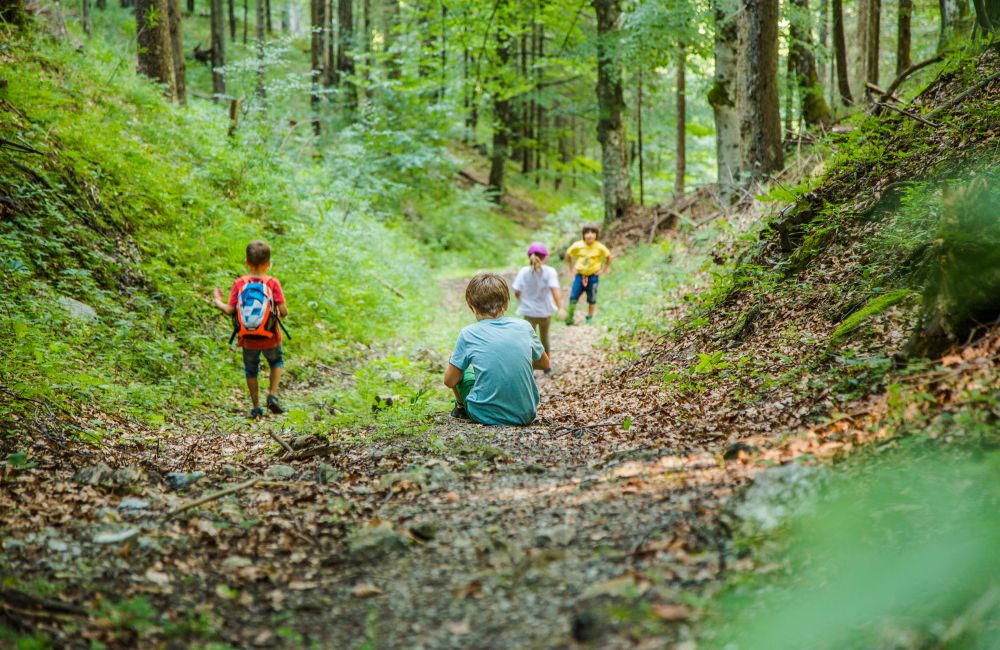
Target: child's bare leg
253,385
275,381
592,309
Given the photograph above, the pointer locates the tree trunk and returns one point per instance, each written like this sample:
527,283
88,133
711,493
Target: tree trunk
329,44
190,7
316,58
177,50
155,52
903,21
232,20
824,45
814,108
218,50
345,51
722,98
267,14
681,123
246,22
369,60
840,53
259,34
391,35
616,189
956,23
503,116
866,63
85,16
757,90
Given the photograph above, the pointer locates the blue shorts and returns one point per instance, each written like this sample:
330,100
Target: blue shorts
251,360
578,288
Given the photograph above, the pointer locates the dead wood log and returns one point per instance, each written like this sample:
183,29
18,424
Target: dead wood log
210,497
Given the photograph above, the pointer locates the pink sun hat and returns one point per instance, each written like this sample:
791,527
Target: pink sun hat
538,248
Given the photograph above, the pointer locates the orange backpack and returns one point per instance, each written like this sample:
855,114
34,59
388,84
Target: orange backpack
255,316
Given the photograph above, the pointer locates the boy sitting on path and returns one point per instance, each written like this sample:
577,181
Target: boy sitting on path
491,367
587,259
537,287
260,331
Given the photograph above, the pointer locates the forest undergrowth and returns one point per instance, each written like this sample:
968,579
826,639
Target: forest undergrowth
755,370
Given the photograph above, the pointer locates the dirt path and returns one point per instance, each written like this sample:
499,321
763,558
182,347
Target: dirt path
464,536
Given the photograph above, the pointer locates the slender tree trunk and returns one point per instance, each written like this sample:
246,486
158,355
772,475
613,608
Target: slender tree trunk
267,14
391,11
681,157
988,15
155,52
903,21
757,83
101,5
503,116
330,77
815,110
722,98
85,16
177,50
866,68
316,58
345,51
369,59
840,53
190,7
232,20
442,90
955,23
611,104
218,49
789,91
246,22
260,35
638,137
541,143
565,157
824,42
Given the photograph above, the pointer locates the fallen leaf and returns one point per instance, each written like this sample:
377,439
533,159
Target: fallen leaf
671,611
458,628
365,590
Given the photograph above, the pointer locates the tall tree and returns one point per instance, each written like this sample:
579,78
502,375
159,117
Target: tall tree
868,32
681,159
988,15
218,49
840,53
904,15
615,187
177,49
190,7
815,110
722,97
85,16
232,20
345,50
824,46
155,52
503,111
391,12
757,89
316,58
954,22
259,35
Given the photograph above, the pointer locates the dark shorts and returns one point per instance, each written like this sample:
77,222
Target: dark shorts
578,288
251,360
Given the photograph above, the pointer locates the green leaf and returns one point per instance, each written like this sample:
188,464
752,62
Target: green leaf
627,424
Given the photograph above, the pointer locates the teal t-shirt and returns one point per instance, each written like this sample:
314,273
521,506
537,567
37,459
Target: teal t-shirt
500,351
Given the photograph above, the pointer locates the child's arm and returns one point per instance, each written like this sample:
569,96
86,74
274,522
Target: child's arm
542,362
452,377
607,265
557,298
282,310
224,307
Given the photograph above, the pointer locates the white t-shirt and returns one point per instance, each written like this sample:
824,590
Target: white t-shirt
536,291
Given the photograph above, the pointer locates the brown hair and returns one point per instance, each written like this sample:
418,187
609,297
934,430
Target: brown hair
488,294
258,253
591,227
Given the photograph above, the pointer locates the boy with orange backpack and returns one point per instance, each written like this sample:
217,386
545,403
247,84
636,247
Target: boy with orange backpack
257,305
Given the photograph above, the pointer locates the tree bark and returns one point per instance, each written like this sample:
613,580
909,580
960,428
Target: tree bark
155,53
903,22
85,16
722,98
316,58
681,168
177,50
267,13
259,34
391,35
218,49
503,116
232,20
190,7
616,189
815,110
345,51
757,84
868,31
840,53
824,45
954,15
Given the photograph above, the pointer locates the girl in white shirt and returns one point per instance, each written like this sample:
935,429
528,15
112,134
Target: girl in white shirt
537,287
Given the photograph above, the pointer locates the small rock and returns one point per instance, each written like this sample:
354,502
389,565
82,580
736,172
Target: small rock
373,541
132,504
424,531
93,474
57,545
181,480
280,472
326,473
76,309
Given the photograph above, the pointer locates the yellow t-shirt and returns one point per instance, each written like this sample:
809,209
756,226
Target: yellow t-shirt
588,258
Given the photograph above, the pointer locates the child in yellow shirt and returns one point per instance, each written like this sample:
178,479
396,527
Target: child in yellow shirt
587,259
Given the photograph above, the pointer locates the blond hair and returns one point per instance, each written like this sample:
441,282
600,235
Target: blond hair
488,294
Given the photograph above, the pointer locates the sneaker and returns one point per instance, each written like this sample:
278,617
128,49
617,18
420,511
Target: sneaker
274,405
459,413
547,372
589,319
256,412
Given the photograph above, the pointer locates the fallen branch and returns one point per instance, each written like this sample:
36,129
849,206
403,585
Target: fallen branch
322,450
885,93
960,97
17,146
288,447
913,68
912,116
210,497
391,288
